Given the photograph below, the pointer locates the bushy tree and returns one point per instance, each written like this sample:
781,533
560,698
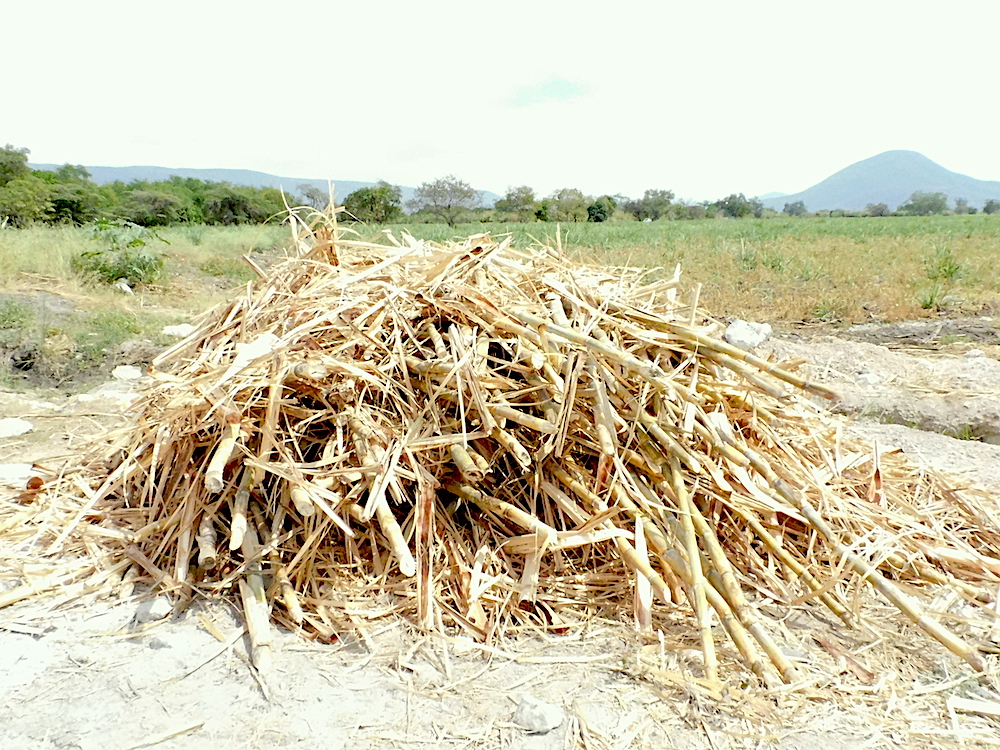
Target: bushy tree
654,205
992,206
798,208
231,204
602,209
13,163
26,200
228,208
925,204
448,198
153,208
378,204
310,195
568,204
75,202
962,206
877,209
74,196
738,206
519,203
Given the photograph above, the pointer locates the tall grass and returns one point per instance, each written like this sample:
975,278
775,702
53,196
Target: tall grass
43,251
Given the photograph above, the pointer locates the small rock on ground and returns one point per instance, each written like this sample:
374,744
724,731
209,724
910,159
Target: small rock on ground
10,426
537,716
747,335
153,610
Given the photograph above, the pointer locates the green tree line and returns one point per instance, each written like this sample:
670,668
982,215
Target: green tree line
68,195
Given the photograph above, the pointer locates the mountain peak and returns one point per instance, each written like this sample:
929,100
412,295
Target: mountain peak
891,178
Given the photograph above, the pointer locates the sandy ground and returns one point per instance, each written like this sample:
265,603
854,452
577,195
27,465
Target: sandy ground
85,674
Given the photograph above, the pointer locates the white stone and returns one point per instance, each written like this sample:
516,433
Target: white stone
153,609
537,716
975,353
16,474
80,653
747,335
110,391
126,372
182,330
10,426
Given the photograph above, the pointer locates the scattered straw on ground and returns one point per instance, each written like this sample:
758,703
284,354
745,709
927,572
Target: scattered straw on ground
485,438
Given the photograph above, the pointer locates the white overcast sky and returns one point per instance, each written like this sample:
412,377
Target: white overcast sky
704,99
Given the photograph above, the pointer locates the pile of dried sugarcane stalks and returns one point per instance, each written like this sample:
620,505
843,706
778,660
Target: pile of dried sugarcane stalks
481,436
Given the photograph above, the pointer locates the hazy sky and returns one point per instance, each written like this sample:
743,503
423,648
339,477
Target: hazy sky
704,99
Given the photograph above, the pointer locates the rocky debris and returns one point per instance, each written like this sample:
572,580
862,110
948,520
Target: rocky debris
181,330
536,716
15,474
11,426
927,333
747,335
152,610
137,352
115,392
976,463
954,396
23,358
126,372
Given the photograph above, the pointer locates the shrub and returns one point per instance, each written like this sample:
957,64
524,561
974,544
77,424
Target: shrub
124,254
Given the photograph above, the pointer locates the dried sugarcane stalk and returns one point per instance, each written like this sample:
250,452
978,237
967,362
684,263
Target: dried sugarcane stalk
799,570
238,525
223,454
257,615
255,605
737,633
285,588
470,469
390,527
505,411
905,604
643,590
702,613
501,508
722,348
724,580
302,500
208,556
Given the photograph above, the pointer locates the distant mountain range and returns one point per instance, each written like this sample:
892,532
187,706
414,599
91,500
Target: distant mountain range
343,188
890,178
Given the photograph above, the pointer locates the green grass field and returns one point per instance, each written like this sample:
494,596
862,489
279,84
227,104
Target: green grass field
827,270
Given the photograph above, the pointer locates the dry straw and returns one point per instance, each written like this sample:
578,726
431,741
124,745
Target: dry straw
472,436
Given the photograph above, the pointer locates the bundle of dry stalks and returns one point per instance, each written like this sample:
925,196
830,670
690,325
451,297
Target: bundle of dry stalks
494,436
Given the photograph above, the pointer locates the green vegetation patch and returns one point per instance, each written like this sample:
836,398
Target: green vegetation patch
123,253
227,267
15,320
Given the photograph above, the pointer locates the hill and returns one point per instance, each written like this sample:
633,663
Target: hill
104,175
890,178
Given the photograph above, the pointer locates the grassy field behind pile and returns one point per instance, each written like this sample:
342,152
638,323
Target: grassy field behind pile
798,270
830,270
